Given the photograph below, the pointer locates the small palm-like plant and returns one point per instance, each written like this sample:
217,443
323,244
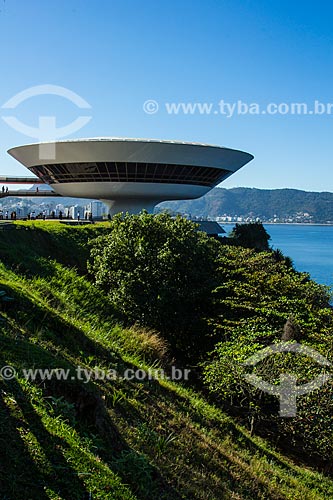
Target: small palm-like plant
163,442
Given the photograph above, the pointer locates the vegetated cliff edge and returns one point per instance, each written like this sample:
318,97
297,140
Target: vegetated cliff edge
110,439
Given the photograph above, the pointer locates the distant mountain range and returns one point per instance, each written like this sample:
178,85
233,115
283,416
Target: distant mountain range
269,205
266,204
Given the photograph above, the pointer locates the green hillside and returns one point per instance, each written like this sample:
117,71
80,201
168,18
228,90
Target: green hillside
262,203
113,439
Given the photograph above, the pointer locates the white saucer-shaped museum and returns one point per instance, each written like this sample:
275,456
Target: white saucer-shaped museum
130,174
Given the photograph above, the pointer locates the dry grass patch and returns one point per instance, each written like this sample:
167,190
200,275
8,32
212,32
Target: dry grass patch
148,343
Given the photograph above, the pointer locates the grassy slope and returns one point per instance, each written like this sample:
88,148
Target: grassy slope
111,439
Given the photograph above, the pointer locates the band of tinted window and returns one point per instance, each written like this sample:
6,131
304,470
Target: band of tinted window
129,172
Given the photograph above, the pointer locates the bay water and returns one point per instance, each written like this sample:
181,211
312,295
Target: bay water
309,246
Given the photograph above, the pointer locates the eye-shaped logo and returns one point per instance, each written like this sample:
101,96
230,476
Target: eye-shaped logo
287,390
47,129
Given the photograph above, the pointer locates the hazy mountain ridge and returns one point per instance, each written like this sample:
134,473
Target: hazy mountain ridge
262,203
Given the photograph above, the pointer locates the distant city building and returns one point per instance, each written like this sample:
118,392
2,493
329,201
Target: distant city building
59,207
73,211
96,209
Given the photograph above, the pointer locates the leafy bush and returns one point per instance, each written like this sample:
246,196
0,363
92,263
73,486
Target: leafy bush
158,272
255,290
256,296
311,429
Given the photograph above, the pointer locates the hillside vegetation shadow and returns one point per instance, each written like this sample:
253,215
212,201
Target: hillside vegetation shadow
21,471
61,345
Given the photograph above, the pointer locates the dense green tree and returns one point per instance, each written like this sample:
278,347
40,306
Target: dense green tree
158,271
252,235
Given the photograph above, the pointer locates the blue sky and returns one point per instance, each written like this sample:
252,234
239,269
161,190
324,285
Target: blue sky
117,55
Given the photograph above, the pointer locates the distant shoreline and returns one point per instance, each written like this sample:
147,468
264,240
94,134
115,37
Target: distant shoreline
284,223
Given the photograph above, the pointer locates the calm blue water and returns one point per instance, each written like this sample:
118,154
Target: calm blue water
310,248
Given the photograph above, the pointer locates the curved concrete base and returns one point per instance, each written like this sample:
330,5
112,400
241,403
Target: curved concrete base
131,206
144,191
130,196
